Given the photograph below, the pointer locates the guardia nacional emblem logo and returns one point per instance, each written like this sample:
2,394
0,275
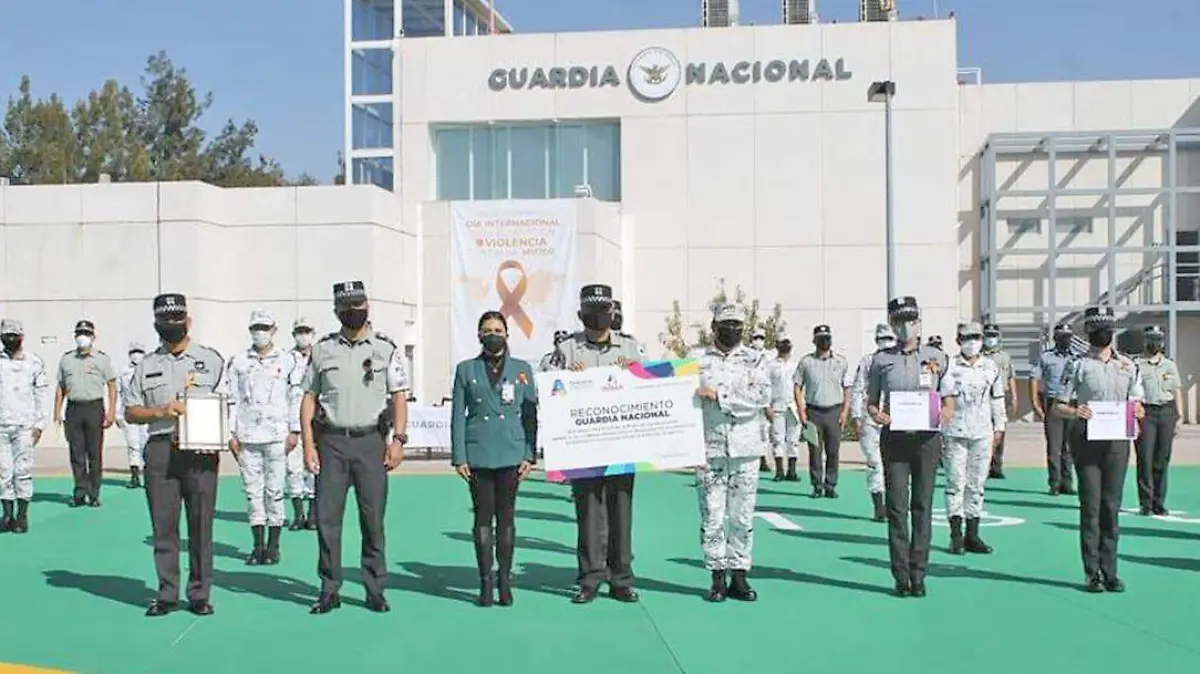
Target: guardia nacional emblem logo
654,74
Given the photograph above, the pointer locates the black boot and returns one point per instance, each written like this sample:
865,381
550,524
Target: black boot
135,478
310,522
256,557
271,556
762,465
297,515
739,587
975,544
485,546
6,519
718,591
880,514
779,476
506,542
956,535
791,475
21,523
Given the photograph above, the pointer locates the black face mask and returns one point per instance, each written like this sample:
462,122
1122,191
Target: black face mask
1101,338
171,333
493,344
1154,347
823,342
1063,342
727,336
597,321
784,351
12,343
617,322
352,319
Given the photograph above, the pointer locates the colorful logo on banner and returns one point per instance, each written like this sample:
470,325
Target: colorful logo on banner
660,369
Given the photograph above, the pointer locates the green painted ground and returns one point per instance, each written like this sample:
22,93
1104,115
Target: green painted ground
72,593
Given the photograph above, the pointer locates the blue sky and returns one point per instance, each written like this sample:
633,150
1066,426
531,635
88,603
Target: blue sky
280,61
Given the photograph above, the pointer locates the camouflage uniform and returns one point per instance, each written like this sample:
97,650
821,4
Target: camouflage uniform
784,429
24,402
728,483
978,386
868,430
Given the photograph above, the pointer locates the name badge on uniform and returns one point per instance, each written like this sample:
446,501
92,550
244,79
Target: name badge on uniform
926,380
508,393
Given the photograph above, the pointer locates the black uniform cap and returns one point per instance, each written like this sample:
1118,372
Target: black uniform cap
85,326
1064,329
904,308
349,292
822,329
936,341
1154,332
595,294
560,336
1095,318
170,306
991,329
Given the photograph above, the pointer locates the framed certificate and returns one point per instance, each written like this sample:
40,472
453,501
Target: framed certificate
202,428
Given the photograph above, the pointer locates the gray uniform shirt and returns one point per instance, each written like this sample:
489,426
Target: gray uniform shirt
577,349
353,381
163,376
893,369
1160,379
1091,378
824,380
85,377
1003,360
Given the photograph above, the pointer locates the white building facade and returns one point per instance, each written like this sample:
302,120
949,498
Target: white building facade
750,154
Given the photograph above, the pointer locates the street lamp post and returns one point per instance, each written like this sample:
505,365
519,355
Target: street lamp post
884,92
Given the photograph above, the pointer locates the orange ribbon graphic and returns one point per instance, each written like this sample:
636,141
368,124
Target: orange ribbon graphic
510,298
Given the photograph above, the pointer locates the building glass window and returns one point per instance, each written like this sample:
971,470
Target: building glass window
372,20
1080,224
424,18
528,161
373,171
460,18
371,72
371,126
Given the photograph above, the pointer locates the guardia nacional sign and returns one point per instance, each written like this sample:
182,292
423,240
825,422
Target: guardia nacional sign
655,73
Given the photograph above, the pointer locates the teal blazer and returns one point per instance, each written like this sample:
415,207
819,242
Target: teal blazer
485,430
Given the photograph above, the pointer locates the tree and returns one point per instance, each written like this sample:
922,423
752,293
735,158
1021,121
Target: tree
675,339
152,135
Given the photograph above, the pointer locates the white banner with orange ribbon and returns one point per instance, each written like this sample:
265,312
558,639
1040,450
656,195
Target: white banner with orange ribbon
516,257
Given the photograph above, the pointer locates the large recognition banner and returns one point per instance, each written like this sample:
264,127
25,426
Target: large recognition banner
518,258
611,420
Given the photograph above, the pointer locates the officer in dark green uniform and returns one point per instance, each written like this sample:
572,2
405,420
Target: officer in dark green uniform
172,476
355,393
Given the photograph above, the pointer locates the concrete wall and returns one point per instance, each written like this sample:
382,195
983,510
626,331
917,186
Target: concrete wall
103,252
776,187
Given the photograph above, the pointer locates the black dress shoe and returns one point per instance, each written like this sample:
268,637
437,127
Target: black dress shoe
378,605
159,608
623,594
1054,490
504,595
1067,490
830,492
584,596
1095,585
902,589
1144,511
326,604
1114,585
918,588
817,493
77,502
1160,511
94,502
200,607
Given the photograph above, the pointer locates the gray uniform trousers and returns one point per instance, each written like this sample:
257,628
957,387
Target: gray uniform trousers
174,477
345,462
1100,466
1059,445
1154,454
604,512
824,474
909,457
83,424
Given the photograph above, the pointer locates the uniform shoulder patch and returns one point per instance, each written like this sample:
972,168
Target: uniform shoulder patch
213,351
329,337
385,338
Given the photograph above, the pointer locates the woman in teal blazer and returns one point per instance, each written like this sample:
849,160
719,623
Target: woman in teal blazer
493,432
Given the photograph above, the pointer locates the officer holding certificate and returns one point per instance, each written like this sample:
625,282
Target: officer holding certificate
903,374
1102,380
603,505
155,397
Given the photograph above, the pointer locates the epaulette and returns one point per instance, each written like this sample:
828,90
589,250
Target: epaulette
385,338
329,337
209,348
626,335
100,352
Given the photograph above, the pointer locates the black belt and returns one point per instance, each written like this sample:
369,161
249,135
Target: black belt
1172,404
97,401
358,432
823,408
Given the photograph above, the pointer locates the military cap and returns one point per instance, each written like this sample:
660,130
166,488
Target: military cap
136,346
822,329
560,336
11,326
729,312
782,338
302,323
1098,317
85,325
349,292
904,307
969,329
936,341
261,317
884,331
991,329
170,305
1154,332
1064,329
596,293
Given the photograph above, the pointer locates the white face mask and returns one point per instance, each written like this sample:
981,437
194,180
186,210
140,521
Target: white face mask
991,342
303,340
971,347
886,343
136,358
83,341
260,338
758,342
